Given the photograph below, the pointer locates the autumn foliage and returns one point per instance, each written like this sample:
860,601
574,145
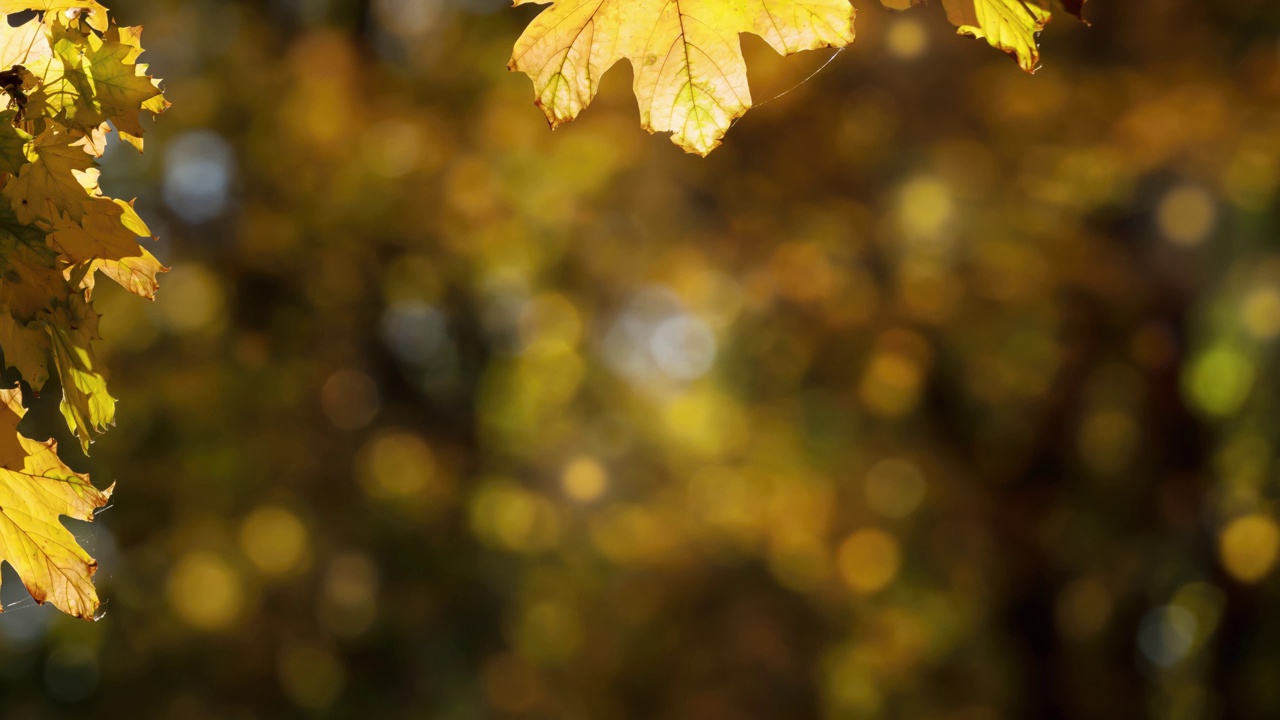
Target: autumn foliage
71,77
690,76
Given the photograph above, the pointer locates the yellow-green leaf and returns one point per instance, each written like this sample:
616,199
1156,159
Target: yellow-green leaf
90,79
13,144
690,76
36,489
86,405
49,186
106,240
129,123
1008,25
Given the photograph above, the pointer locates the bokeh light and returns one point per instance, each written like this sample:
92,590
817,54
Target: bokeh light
940,390
205,591
869,560
1249,547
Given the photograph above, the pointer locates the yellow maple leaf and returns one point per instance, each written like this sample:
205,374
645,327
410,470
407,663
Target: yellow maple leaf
1007,25
31,289
87,80
95,13
45,315
690,76
50,185
87,406
23,45
129,123
105,240
36,489
79,77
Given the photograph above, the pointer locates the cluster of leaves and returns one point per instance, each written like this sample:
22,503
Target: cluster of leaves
70,77
690,76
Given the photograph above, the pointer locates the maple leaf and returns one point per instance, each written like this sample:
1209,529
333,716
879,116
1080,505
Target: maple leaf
49,185
27,43
36,489
690,76
87,406
69,75
44,317
129,123
94,11
1007,25
106,240
13,144
90,79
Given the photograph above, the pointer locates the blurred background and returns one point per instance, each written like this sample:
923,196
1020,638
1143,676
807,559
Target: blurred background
939,391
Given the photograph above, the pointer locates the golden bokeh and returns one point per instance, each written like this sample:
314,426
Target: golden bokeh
1186,216
584,479
926,207
868,560
274,540
914,399
906,38
205,591
1249,546
507,516
398,466
1261,312
197,304
894,378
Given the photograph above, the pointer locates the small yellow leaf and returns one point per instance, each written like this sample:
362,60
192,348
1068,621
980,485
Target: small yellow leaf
1008,25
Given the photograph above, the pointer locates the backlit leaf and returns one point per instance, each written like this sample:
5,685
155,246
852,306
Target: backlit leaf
13,144
690,76
1008,25
95,12
36,489
70,76
49,185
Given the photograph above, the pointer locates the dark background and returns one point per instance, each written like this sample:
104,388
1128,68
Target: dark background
939,391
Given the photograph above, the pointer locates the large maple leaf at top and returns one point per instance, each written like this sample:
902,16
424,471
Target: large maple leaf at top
690,76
